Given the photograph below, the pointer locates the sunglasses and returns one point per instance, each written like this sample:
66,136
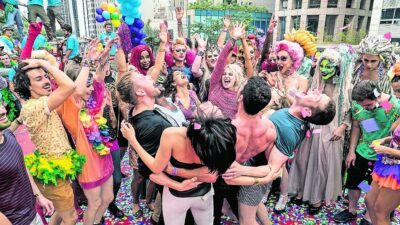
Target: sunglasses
282,58
210,56
180,50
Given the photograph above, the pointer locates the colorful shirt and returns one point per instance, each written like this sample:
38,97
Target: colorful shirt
224,99
73,45
54,3
105,37
45,128
35,2
8,41
374,124
12,2
188,112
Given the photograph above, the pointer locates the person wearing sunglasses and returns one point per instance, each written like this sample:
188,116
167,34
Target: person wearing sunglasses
179,50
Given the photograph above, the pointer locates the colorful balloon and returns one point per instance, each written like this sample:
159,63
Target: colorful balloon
99,11
114,16
106,15
138,23
116,23
99,18
129,20
111,8
103,5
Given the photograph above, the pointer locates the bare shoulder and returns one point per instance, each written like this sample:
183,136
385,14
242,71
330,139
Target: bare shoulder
175,132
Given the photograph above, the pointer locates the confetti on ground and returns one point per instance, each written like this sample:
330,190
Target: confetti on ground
294,215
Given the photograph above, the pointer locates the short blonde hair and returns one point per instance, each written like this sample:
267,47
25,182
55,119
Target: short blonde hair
237,71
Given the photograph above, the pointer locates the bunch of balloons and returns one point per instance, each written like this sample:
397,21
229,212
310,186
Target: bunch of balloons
132,17
108,11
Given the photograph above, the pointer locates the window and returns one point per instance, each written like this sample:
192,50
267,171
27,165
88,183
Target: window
332,3
397,13
362,4
330,24
296,22
284,4
360,23
347,20
312,23
371,4
282,24
349,3
386,21
314,4
297,4
387,14
368,23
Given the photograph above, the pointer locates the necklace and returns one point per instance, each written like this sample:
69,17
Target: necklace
96,129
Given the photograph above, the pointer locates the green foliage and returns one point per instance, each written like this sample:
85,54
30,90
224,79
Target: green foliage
351,36
212,27
208,5
151,39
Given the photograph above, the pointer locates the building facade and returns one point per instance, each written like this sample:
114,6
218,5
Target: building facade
386,18
325,18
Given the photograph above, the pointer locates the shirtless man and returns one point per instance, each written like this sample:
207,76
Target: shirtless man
260,141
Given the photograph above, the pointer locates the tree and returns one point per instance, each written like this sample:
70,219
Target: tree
152,39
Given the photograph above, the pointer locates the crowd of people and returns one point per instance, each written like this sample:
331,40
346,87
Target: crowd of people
202,122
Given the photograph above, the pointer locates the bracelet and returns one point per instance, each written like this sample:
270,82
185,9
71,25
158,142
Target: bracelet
225,30
36,195
18,121
45,69
256,182
174,171
200,53
179,22
161,50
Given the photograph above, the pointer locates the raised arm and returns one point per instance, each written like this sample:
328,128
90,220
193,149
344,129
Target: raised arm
103,61
268,40
4,220
120,59
65,85
179,16
248,65
225,29
160,162
236,32
33,32
158,66
202,174
201,53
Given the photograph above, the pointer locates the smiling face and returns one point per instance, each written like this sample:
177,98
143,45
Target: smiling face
179,52
39,83
370,62
145,60
327,68
211,58
180,79
228,79
4,122
284,62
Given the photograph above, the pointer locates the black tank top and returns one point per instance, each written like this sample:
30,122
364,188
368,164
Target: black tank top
200,190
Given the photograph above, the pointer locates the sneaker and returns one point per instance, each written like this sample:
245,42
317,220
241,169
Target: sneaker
344,216
365,222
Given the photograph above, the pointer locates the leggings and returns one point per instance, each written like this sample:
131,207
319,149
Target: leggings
175,208
230,193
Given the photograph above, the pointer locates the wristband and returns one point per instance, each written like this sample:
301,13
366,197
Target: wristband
18,121
161,50
36,195
174,171
200,53
225,30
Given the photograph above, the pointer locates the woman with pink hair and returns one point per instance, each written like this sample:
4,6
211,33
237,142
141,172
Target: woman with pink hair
142,58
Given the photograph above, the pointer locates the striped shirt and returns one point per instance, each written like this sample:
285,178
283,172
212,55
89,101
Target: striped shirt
17,200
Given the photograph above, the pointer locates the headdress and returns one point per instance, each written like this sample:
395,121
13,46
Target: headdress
306,40
378,45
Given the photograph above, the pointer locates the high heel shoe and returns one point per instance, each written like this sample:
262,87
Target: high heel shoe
312,210
280,206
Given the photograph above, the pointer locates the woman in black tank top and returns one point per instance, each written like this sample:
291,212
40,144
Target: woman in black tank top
205,142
